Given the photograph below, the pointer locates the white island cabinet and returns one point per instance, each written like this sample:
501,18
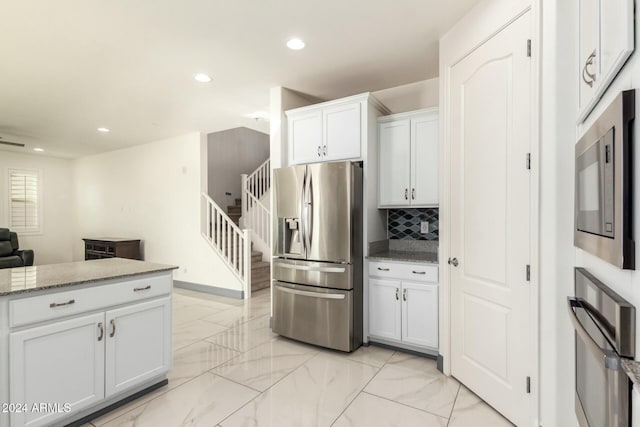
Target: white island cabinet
81,337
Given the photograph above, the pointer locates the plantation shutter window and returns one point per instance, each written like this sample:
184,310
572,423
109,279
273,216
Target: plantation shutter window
24,203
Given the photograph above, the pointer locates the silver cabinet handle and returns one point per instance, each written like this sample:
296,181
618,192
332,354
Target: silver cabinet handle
60,304
419,272
113,328
383,269
406,194
311,294
413,194
453,261
319,153
397,294
589,77
404,294
142,289
324,150
101,329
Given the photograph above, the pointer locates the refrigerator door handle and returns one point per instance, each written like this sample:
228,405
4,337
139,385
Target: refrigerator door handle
310,268
303,225
309,218
311,294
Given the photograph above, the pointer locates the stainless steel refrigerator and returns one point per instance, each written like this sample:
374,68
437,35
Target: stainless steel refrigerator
317,248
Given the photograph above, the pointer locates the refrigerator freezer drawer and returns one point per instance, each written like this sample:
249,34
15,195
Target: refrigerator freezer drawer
317,316
324,274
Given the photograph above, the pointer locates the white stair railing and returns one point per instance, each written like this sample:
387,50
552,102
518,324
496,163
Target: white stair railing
232,244
259,181
255,214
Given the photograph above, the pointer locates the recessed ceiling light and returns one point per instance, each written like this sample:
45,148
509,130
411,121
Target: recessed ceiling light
39,150
202,78
259,116
103,130
295,44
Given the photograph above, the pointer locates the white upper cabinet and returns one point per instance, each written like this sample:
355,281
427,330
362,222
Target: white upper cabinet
425,160
395,157
606,40
334,130
409,159
305,137
341,132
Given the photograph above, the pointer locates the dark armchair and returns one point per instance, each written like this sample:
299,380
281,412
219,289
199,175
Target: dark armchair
10,256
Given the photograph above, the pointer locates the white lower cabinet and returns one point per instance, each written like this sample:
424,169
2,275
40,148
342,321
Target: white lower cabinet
61,363
384,301
420,314
138,344
401,310
74,364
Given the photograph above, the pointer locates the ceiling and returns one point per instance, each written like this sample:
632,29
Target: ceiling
71,66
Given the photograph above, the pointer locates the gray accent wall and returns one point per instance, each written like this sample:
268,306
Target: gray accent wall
231,153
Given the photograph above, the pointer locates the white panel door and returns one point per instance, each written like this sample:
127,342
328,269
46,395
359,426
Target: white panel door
425,169
420,314
490,220
58,364
395,163
384,308
138,344
305,138
341,136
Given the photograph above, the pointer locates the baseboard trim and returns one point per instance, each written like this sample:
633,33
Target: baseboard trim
440,363
409,349
213,290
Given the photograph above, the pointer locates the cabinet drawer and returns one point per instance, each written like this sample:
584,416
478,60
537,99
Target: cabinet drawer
402,271
68,303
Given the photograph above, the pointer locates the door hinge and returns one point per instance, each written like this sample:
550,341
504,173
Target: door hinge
529,48
528,161
528,273
528,385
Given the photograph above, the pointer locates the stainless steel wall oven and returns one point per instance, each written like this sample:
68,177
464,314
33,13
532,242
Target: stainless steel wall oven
603,202
604,326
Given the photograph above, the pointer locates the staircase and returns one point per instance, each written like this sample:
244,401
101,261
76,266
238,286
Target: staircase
260,270
232,234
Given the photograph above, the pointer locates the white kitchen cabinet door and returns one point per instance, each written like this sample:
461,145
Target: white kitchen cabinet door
341,132
61,363
394,161
589,49
384,308
425,161
305,137
138,344
420,314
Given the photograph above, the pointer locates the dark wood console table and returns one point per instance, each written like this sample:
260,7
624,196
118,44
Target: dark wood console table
108,247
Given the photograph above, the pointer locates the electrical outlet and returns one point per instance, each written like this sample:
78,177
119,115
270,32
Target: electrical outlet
424,227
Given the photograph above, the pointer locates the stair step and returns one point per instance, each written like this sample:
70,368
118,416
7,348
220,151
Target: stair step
260,265
238,202
234,210
260,285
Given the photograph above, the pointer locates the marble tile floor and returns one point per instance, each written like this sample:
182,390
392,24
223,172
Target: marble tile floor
230,370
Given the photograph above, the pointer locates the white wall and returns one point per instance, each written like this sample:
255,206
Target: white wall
559,104
53,245
151,192
231,153
409,97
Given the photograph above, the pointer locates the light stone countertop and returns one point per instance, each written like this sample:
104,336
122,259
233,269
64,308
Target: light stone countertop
29,279
408,256
632,369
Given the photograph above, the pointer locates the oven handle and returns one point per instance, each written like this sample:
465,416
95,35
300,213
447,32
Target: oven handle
611,359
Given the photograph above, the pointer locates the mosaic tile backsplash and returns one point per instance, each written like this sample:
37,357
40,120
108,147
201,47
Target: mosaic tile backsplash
405,223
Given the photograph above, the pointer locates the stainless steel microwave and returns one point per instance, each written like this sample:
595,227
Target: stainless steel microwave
603,197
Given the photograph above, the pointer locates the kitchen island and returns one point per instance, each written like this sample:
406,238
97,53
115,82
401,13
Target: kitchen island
76,338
